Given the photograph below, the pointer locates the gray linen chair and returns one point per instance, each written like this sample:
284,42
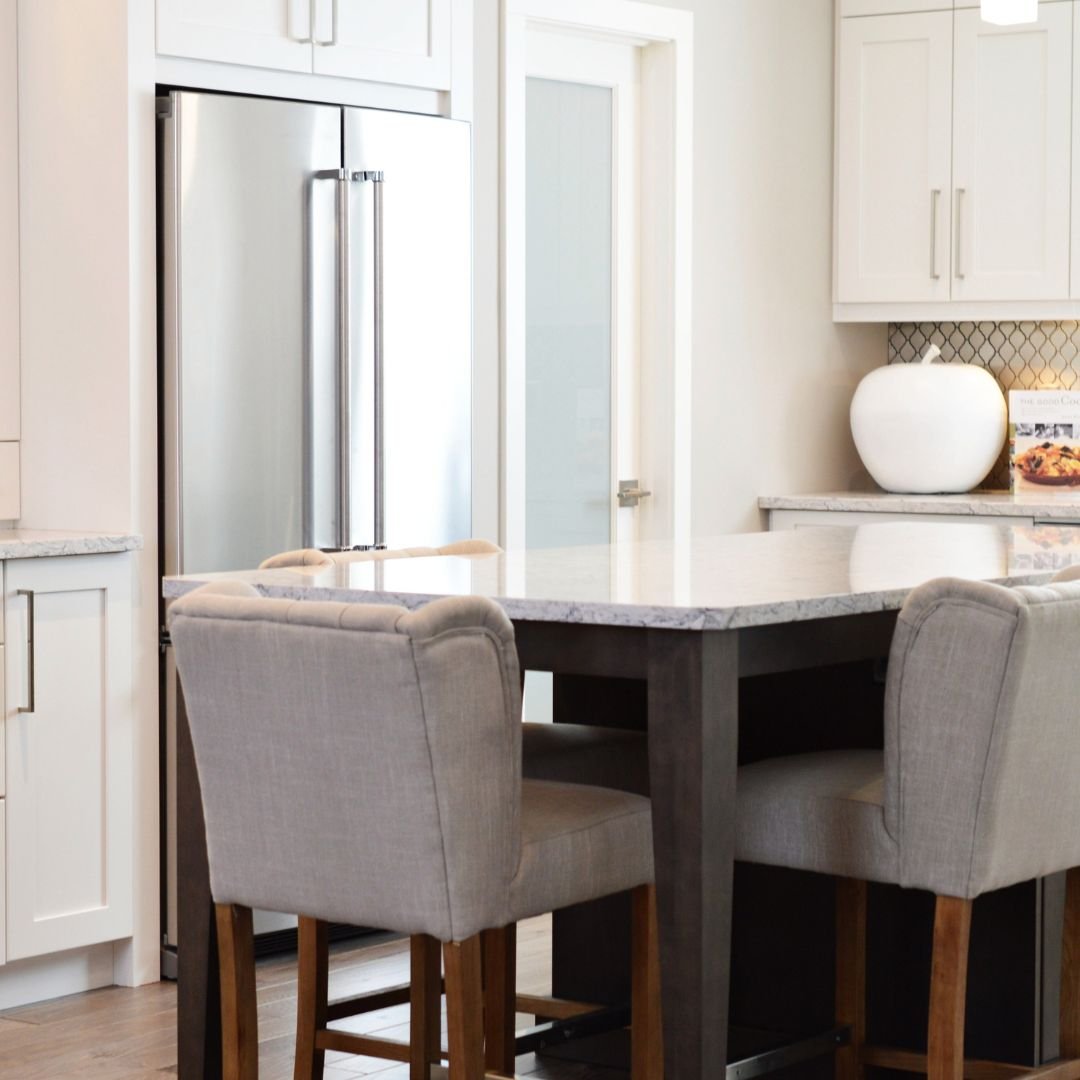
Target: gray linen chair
976,789
388,792
567,753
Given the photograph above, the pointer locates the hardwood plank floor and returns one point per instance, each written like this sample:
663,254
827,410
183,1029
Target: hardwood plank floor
130,1034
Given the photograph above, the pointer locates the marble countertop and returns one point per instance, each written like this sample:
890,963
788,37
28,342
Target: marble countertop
42,543
724,582
1056,506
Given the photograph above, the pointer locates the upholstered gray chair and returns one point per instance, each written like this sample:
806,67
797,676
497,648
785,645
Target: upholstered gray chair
976,789
362,764
567,753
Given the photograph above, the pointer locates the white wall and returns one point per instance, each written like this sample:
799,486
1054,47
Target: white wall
773,377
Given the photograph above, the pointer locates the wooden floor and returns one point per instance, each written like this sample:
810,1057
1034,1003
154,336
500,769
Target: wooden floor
124,1034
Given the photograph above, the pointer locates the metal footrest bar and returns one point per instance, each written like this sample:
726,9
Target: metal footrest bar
557,1032
780,1057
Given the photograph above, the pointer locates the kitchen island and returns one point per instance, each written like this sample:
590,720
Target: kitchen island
687,622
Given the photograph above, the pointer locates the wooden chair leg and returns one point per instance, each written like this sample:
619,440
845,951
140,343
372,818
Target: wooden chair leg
851,974
948,986
500,979
1070,968
464,1008
425,1012
239,1018
646,1034
312,979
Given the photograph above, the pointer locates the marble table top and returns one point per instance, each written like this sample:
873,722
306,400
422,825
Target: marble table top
723,582
48,543
1057,505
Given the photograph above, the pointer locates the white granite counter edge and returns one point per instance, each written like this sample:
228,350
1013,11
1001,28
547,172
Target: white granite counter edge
980,504
607,614
39,545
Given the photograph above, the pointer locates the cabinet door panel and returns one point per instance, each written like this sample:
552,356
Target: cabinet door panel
69,761
893,160
1012,157
259,33
393,41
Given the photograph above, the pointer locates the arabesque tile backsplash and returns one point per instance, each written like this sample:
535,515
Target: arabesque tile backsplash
1020,355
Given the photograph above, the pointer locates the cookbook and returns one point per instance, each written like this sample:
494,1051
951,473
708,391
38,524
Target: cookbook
1044,440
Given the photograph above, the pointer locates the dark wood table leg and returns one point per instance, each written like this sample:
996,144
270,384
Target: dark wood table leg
693,700
198,986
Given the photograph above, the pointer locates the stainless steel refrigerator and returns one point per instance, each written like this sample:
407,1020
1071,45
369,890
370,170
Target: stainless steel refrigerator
316,322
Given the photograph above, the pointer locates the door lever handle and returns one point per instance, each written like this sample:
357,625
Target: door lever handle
630,493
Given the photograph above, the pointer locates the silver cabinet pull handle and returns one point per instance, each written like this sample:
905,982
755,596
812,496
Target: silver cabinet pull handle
935,199
29,594
960,193
310,39
332,40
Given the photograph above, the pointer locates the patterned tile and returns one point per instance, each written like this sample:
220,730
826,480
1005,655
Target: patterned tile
1020,355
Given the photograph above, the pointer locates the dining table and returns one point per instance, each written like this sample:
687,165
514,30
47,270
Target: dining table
685,621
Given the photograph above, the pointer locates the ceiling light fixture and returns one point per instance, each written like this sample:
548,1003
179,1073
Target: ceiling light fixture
1010,12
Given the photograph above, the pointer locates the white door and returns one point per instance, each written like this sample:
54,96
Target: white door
260,33
68,720
893,158
393,41
1012,156
582,310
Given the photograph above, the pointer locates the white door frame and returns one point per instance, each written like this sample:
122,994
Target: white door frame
665,36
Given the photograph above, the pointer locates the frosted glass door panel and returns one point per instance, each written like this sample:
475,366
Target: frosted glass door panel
568,313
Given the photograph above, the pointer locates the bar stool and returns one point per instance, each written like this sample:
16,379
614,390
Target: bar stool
567,753
388,792
976,790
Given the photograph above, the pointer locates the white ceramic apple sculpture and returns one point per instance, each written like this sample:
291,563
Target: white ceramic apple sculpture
929,428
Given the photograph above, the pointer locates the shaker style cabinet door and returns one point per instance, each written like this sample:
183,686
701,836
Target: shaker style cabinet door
1012,137
68,728
393,41
893,158
9,229
259,33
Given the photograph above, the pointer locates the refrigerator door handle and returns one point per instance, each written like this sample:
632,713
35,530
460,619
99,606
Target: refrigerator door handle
375,178
344,354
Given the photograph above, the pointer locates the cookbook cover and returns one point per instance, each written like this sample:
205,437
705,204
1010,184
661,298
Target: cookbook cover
1044,440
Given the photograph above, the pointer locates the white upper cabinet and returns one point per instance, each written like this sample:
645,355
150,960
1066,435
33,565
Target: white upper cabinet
954,165
893,173
68,727
9,229
404,42
262,33
397,41
1012,147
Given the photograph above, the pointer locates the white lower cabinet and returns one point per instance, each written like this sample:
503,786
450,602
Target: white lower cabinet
68,735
